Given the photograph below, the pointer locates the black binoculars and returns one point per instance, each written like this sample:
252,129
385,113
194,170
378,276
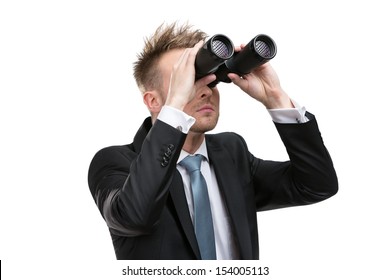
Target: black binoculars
217,57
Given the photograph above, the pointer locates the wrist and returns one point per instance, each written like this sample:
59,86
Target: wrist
176,118
278,99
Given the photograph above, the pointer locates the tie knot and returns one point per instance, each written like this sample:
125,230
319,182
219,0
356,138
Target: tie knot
191,163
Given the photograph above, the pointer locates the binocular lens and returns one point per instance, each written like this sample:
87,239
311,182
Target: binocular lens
262,49
221,49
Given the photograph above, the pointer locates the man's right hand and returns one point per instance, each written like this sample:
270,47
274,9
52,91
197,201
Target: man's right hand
182,86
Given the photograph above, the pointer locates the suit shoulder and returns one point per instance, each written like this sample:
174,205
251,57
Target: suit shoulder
226,136
113,155
115,152
117,149
110,159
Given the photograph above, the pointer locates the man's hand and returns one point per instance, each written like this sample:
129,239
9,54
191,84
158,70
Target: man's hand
182,86
263,85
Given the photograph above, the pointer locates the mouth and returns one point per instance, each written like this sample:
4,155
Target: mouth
206,109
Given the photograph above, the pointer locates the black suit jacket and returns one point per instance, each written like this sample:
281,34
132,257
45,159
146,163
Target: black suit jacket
140,194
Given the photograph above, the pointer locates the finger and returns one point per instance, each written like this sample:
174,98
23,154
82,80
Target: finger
192,53
189,52
237,80
234,77
198,45
204,81
239,48
183,57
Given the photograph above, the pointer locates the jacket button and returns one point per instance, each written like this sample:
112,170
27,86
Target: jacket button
167,155
164,163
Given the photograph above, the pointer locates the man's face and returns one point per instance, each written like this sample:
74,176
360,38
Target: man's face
204,107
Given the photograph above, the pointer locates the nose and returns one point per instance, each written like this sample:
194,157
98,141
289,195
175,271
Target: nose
205,92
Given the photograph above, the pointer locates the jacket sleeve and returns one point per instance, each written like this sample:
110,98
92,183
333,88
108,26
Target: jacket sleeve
130,188
308,177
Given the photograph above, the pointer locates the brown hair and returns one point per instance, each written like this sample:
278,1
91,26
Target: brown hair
165,38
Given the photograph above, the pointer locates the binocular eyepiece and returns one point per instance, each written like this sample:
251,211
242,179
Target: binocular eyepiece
217,57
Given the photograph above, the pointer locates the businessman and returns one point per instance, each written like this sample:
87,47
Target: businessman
178,192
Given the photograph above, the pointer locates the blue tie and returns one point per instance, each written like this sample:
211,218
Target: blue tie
203,221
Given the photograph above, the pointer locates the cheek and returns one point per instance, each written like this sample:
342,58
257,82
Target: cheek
215,95
190,108
215,100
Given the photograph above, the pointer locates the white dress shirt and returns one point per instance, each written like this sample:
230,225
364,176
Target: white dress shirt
224,238
226,247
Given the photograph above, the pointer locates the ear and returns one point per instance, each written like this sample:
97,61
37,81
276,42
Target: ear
153,101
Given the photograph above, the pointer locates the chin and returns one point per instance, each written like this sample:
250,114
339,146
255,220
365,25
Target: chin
203,126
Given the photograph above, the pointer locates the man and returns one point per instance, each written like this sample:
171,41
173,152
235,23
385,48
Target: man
144,190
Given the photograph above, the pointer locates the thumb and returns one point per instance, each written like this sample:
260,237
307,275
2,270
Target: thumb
238,81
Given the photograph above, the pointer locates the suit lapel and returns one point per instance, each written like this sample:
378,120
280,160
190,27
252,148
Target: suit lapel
229,184
180,203
176,191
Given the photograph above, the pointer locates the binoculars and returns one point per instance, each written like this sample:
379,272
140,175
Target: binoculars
217,57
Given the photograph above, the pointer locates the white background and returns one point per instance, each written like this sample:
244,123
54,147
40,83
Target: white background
67,90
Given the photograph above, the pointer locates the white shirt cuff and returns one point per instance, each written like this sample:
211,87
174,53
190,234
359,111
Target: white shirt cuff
176,118
290,115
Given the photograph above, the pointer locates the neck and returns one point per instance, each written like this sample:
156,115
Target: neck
193,142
